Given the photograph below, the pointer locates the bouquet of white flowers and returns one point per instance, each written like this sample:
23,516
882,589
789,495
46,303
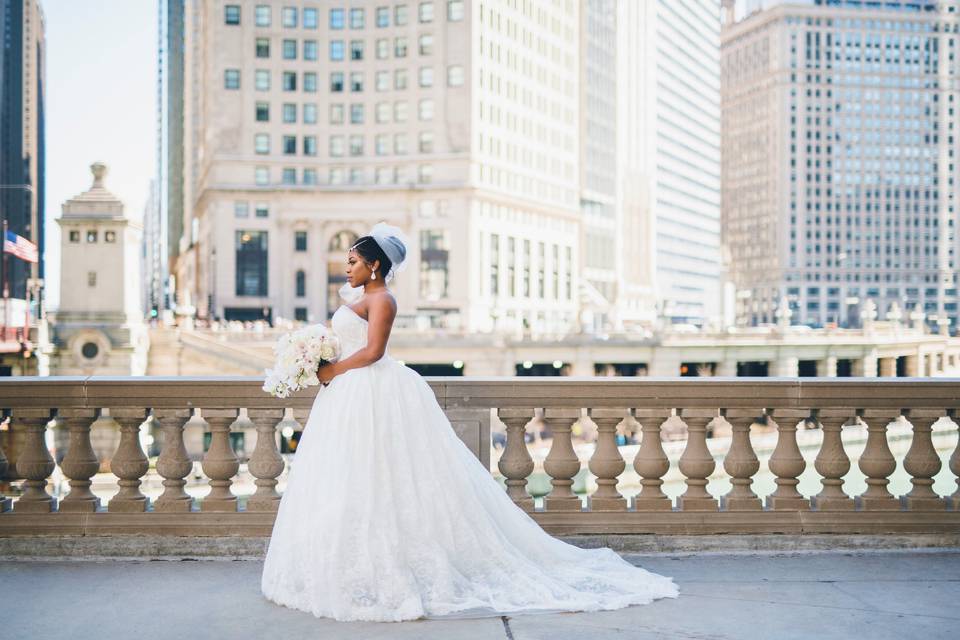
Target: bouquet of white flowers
299,354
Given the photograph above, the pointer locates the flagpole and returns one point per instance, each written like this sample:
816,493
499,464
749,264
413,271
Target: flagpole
6,289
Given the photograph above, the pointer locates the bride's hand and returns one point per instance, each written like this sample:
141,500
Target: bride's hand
326,373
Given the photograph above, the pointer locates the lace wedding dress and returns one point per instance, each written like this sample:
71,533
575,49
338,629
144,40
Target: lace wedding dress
388,516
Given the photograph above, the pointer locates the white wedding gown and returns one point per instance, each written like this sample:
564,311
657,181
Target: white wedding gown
388,516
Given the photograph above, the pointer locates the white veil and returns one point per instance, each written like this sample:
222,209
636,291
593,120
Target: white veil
394,244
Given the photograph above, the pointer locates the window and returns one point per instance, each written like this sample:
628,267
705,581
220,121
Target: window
400,111
289,113
383,112
91,236
400,143
383,17
261,210
383,80
356,18
356,175
231,79
310,82
289,81
300,241
455,75
261,143
241,209
336,82
74,236
289,49
109,236
91,282
232,14
356,81
310,19
434,270
336,18
290,145
382,144
425,173
262,80
301,284
400,79
290,17
251,263
261,176
356,49
383,175
356,113
426,110
426,44
309,176
309,145
336,175
310,113
454,10
263,112
400,15
426,76
263,47
426,142
336,50
262,15
356,145
426,12
289,175
336,114
310,49
400,47
383,48
336,146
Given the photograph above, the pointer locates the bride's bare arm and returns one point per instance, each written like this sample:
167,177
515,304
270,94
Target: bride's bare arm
381,311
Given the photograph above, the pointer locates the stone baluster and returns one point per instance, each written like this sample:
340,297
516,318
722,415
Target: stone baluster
953,500
787,463
877,463
81,463
174,463
129,463
922,462
606,463
741,463
561,463
832,463
651,464
34,463
697,463
265,462
5,503
220,463
515,463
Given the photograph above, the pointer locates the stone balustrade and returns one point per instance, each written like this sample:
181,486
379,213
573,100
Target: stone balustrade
650,406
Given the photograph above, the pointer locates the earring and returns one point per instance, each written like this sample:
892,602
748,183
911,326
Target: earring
373,275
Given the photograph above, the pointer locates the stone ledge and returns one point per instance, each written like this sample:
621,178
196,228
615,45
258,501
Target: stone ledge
176,548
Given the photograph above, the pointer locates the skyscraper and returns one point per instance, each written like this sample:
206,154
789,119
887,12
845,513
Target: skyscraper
840,124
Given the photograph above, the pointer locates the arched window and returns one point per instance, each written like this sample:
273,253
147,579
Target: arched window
301,284
339,244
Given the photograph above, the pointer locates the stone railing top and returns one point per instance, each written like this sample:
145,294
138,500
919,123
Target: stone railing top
939,394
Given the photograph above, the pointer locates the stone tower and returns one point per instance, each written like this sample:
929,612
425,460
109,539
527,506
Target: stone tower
98,328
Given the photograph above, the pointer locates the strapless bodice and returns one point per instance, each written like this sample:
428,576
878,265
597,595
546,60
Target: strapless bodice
351,329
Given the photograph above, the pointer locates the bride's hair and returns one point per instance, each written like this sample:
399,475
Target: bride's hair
368,249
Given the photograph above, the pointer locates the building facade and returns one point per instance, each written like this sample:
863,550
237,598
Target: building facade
307,123
840,171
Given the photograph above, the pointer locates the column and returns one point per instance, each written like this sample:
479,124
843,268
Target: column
827,368
888,367
786,367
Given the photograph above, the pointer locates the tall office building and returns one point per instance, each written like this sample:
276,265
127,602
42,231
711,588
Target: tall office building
840,173
22,97
668,94
307,123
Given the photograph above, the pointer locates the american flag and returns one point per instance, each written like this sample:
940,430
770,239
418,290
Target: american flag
20,247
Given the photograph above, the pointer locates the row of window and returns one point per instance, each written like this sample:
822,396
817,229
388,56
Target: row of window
338,17
383,143
262,79
338,48
383,112
92,235
341,175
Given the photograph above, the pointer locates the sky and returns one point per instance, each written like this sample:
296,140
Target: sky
100,105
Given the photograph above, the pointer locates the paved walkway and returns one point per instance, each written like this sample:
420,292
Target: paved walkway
875,595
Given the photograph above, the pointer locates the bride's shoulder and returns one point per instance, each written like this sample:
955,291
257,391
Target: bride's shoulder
383,302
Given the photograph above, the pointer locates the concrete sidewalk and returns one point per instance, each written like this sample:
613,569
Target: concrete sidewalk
823,595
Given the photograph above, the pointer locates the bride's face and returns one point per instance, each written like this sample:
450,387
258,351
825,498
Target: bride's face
357,270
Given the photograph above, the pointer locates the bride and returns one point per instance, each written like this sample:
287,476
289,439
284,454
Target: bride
388,516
